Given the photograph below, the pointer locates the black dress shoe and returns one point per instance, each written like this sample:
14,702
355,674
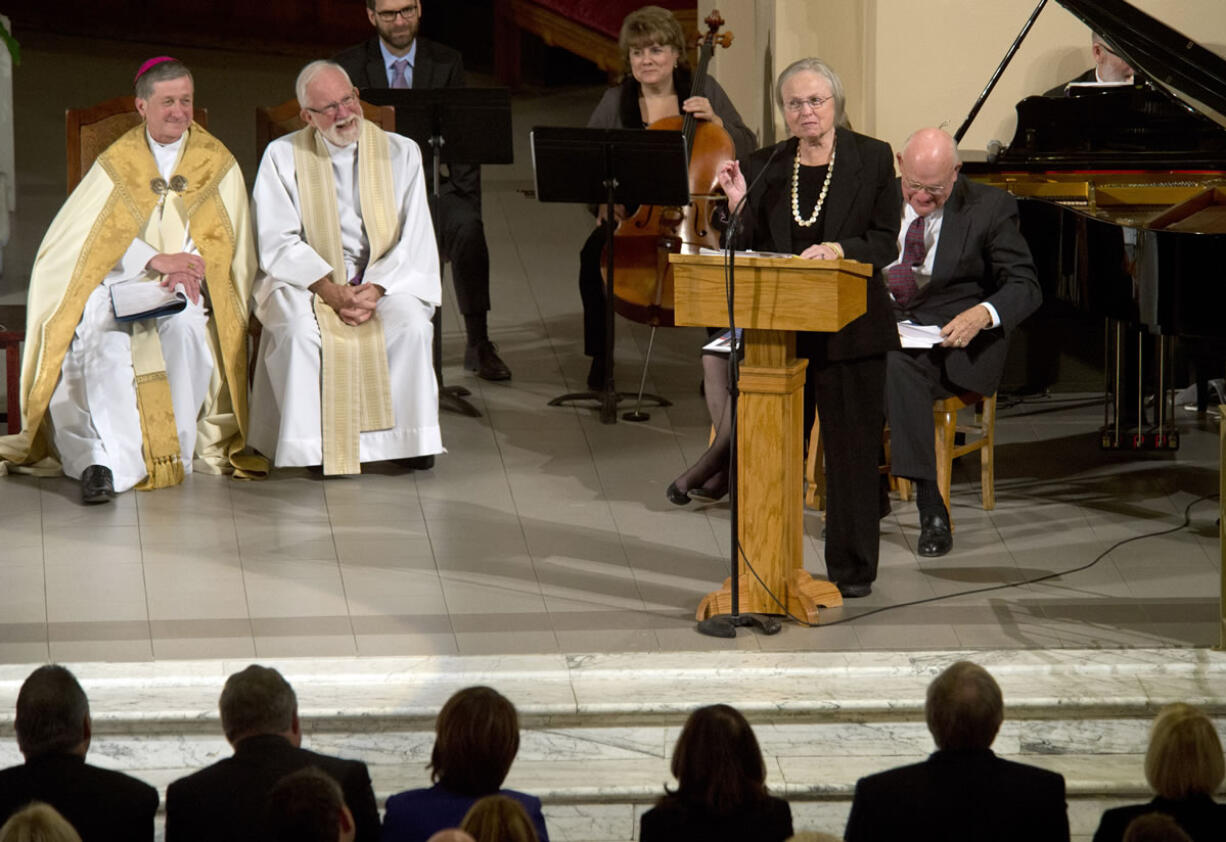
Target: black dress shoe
97,484
483,358
675,495
420,463
935,539
854,591
710,494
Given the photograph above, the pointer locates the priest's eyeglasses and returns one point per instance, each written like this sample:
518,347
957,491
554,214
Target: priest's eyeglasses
408,13
333,108
798,105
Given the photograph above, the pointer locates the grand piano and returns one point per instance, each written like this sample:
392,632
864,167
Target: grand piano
1122,194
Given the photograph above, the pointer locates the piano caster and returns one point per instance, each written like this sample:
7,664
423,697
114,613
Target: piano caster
1133,440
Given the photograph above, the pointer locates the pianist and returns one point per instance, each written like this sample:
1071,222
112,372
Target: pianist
964,267
1109,68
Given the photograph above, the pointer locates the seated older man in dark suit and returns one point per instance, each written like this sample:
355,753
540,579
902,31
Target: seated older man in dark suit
963,792
397,58
53,733
964,267
228,800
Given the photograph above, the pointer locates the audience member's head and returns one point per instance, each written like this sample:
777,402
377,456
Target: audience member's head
52,714
259,701
1185,755
307,806
964,707
476,737
814,836
717,762
38,822
498,818
451,834
1155,827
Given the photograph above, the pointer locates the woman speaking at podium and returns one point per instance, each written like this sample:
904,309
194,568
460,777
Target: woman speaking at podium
825,193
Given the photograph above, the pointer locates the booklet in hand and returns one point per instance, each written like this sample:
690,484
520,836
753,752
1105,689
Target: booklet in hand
134,300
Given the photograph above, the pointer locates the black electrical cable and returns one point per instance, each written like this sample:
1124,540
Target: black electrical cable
1187,521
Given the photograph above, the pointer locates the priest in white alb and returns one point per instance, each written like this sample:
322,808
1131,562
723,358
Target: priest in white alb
348,282
119,399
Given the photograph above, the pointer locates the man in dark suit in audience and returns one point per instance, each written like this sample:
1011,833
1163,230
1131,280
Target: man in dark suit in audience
53,733
963,792
965,268
395,57
228,800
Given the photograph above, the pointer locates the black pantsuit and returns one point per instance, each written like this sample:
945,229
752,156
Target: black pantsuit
846,369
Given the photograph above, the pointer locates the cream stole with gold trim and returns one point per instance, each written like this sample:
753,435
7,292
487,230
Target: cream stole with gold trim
356,395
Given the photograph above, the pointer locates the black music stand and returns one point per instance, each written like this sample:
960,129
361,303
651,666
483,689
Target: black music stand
469,126
609,167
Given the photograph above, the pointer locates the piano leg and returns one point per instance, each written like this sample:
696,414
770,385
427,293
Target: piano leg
1125,426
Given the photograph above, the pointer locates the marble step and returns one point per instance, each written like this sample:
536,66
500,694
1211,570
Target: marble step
598,730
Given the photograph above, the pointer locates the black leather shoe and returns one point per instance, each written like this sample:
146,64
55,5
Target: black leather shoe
483,358
97,484
420,463
854,591
676,496
935,539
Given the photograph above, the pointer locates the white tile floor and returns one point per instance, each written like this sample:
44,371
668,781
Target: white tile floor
542,530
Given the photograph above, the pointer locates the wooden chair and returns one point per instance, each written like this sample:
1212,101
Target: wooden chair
980,435
274,121
91,130
12,334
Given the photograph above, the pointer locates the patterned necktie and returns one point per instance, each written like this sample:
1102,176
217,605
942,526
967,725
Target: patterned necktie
399,80
902,275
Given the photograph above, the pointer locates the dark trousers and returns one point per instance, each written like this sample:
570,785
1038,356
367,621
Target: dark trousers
592,292
849,397
463,237
915,377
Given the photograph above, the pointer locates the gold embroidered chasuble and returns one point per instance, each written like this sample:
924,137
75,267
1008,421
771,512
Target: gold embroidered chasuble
355,392
111,206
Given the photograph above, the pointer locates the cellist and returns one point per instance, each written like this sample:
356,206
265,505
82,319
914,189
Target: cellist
656,85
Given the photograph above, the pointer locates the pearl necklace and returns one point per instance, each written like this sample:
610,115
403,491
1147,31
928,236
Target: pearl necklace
821,199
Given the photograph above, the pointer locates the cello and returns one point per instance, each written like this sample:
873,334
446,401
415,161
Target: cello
643,283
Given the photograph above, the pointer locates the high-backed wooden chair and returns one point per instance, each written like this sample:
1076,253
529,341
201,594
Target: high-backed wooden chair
271,122
980,435
90,130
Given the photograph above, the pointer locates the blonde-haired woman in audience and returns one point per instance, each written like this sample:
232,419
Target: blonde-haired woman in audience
1184,766
497,818
814,836
38,822
721,794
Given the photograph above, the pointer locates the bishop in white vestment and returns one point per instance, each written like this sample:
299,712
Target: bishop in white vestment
139,403
348,283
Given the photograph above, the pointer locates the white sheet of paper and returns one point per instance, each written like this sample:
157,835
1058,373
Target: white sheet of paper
919,336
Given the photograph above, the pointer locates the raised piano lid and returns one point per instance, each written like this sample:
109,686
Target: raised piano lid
1176,122
1160,53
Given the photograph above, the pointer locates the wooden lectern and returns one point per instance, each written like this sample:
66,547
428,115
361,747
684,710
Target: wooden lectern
775,297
